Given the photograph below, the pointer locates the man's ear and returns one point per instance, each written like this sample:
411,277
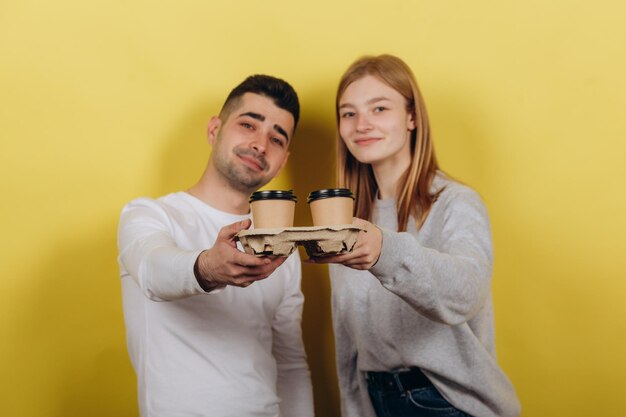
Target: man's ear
213,129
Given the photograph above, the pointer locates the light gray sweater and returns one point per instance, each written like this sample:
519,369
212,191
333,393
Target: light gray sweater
426,303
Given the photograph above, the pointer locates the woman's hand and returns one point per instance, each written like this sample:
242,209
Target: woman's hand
366,250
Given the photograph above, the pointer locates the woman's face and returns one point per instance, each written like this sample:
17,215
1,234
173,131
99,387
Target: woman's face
374,122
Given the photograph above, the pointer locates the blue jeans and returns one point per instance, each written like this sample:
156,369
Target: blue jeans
419,402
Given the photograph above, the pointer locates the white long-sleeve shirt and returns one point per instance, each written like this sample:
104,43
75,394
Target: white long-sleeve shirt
233,352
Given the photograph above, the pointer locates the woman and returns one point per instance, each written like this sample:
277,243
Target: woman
412,308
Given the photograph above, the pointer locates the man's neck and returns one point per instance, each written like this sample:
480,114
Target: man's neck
219,194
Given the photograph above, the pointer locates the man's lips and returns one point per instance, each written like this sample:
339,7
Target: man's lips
252,162
366,141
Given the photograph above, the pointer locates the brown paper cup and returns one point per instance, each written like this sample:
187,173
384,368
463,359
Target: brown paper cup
267,214
272,208
331,207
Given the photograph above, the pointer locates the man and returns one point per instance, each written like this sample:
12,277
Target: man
203,341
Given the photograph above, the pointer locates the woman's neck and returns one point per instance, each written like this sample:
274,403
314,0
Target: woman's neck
388,174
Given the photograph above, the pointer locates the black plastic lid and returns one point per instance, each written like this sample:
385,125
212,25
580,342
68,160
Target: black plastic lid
330,192
273,195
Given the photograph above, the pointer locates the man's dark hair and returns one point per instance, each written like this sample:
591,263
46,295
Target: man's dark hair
279,91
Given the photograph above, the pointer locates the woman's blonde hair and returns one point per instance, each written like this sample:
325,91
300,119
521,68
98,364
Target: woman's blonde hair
414,197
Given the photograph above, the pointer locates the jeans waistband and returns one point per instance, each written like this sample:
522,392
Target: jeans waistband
398,381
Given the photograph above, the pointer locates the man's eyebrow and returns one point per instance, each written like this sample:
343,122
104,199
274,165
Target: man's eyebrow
281,131
256,116
261,118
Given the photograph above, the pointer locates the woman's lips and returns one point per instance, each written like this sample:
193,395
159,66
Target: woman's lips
366,141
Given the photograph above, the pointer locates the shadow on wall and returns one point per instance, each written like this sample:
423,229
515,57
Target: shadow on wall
312,166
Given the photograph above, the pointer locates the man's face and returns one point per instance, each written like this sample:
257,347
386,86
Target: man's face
250,146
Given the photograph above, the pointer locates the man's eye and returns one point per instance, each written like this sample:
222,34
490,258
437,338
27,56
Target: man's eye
347,115
379,109
278,141
246,125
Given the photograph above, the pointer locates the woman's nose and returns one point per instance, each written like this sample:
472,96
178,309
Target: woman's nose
363,123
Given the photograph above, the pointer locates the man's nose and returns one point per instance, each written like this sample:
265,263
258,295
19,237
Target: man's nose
259,142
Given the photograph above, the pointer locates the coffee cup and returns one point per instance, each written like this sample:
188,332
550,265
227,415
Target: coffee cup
331,206
272,208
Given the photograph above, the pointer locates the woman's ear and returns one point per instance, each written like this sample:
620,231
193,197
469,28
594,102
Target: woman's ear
213,129
410,121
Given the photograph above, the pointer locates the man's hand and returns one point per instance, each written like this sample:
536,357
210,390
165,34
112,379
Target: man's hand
366,250
224,264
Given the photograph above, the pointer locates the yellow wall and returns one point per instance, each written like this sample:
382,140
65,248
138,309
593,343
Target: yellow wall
102,101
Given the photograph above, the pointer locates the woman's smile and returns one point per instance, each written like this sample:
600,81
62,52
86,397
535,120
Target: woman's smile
367,141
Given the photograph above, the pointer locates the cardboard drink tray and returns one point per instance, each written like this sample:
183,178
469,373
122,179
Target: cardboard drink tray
317,240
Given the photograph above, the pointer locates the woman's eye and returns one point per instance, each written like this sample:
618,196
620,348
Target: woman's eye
246,125
347,115
379,109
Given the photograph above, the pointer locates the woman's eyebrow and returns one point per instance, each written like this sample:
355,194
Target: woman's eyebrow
370,101
376,99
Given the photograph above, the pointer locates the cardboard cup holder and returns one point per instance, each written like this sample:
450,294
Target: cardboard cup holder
317,240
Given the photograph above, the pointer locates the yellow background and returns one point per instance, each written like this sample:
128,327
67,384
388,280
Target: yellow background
105,101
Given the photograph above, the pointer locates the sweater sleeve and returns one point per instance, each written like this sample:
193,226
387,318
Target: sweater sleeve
149,254
448,284
294,380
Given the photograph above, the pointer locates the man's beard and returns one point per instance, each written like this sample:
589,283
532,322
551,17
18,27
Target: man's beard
238,175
